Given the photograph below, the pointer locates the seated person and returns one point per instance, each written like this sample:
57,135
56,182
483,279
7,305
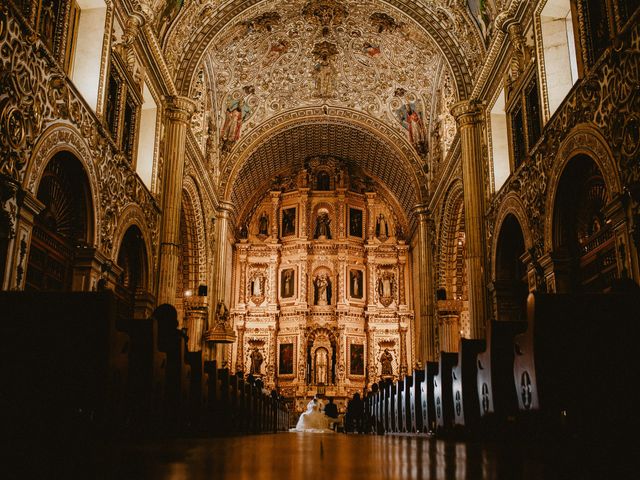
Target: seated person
331,411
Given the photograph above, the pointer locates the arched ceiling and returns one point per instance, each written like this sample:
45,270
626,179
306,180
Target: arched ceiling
286,151
448,23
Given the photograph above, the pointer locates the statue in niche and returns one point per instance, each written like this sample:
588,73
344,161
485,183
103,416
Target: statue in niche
322,363
256,361
244,232
386,360
263,224
322,285
322,226
382,228
257,286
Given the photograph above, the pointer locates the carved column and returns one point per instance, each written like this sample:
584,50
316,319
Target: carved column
304,212
403,351
275,206
178,112
449,326
371,216
240,353
468,117
371,359
402,261
242,257
221,255
196,319
425,348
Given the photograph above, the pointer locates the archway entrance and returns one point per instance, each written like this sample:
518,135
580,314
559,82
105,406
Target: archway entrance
511,287
61,227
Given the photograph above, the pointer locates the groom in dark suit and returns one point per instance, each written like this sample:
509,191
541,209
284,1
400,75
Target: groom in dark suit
331,411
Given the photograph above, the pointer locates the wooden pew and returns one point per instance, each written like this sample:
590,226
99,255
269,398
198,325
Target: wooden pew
442,392
496,392
199,391
415,402
576,363
466,407
173,342
399,400
406,404
428,409
390,407
64,363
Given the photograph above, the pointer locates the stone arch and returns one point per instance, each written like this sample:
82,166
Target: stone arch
192,191
451,216
133,216
509,274
64,225
59,138
584,140
399,147
511,205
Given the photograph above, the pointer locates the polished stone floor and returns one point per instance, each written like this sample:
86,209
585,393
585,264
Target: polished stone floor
311,456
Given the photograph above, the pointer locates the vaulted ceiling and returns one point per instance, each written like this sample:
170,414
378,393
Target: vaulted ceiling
396,65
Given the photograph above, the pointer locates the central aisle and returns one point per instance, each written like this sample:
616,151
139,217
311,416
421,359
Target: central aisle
309,456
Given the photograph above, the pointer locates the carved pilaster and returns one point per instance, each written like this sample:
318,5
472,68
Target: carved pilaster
403,351
240,355
178,111
371,216
468,117
196,313
425,348
275,208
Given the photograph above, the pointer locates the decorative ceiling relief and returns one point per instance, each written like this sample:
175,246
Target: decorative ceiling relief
364,56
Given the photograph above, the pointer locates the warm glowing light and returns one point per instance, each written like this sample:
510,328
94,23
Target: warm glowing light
188,293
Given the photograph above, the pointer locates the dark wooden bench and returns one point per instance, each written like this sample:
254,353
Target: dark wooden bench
442,392
576,365
466,408
427,399
415,401
496,390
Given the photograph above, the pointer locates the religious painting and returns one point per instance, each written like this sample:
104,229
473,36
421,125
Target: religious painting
237,112
285,363
412,119
356,284
356,359
355,222
287,283
288,221
483,12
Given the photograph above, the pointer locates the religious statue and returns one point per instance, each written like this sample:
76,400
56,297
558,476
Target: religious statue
263,224
382,229
385,359
256,361
323,289
321,366
322,226
257,287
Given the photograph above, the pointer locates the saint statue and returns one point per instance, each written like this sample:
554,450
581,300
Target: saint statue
382,229
263,224
385,359
257,287
256,361
321,366
323,289
322,226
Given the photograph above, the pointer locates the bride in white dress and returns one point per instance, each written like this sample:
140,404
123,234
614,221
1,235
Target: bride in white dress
313,419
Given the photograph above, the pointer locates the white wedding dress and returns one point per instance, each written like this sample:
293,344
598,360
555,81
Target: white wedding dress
313,419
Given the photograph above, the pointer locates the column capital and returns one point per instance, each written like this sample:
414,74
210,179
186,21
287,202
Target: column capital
422,211
225,209
466,112
179,108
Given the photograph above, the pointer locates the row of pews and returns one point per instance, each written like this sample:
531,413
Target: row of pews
569,369
73,365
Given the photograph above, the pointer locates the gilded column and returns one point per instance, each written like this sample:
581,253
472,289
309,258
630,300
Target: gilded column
222,276
403,351
468,118
425,345
240,353
178,111
242,256
275,207
371,359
